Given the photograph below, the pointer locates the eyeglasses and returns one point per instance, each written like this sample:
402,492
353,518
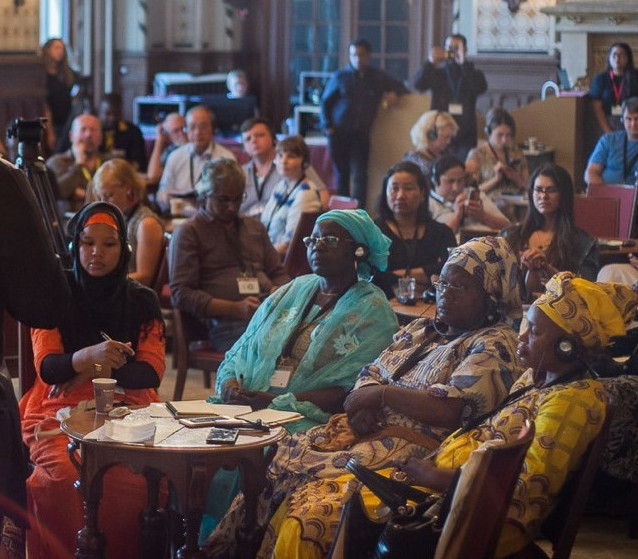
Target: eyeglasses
442,285
329,241
540,190
225,200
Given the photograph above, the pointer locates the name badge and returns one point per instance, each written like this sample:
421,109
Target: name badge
616,110
281,377
248,286
455,109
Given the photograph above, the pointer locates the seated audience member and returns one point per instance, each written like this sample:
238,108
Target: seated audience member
611,87
557,392
431,136
169,135
237,84
435,376
294,194
117,182
419,244
259,141
615,157
120,138
499,164
219,262
548,241
67,359
321,328
449,203
184,165
75,168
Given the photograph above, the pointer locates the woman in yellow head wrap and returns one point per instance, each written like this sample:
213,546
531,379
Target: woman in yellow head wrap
557,392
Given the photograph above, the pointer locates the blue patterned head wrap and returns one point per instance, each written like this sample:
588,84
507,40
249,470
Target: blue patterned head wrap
493,263
363,231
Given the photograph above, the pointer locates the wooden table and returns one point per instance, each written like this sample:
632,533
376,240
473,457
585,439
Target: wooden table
615,254
189,468
407,313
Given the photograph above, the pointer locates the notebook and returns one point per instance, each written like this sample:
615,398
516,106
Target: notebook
202,408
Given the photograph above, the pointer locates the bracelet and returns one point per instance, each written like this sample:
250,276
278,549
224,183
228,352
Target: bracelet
383,396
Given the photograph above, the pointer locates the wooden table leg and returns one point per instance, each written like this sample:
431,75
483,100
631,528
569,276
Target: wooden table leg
153,522
90,542
197,491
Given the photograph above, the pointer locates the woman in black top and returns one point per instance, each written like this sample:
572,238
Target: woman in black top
419,244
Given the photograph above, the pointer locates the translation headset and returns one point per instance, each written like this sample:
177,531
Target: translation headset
93,208
567,349
361,252
432,133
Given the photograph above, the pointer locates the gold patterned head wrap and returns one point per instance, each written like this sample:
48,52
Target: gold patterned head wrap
594,312
493,263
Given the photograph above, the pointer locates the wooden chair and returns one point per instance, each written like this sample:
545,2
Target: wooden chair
481,500
192,350
627,196
562,524
342,203
479,503
600,217
295,261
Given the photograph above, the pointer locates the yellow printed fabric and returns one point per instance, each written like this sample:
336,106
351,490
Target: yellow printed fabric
567,417
594,312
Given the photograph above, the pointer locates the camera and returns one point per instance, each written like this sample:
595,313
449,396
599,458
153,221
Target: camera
30,131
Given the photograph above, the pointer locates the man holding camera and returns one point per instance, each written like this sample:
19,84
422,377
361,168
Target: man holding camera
455,85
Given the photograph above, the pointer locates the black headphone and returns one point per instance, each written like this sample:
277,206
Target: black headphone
73,227
361,253
432,133
567,349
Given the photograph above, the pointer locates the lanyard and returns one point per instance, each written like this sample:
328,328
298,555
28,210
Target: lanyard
260,190
410,247
284,199
205,157
617,88
441,200
455,87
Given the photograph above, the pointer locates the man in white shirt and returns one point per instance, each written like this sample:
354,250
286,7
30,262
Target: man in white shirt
184,165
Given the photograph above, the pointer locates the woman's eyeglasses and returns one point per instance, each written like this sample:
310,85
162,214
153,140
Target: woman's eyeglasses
329,241
540,190
442,285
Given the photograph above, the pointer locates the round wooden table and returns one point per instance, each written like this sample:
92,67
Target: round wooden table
189,467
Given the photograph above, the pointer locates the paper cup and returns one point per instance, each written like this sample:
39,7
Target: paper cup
104,391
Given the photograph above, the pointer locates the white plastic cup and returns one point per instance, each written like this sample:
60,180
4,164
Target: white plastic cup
104,391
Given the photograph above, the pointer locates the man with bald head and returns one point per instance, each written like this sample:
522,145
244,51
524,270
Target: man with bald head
74,169
184,165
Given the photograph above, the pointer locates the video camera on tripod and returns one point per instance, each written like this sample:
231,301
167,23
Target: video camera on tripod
29,134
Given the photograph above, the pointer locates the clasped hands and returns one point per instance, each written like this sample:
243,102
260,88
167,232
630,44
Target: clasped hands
109,354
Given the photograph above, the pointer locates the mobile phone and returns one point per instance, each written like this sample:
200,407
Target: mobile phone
222,436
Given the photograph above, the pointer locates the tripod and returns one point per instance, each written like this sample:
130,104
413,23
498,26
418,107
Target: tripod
29,134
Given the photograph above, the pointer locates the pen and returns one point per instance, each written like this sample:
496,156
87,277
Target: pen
105,336
241,381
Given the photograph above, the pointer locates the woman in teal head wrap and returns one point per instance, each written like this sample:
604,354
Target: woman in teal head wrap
307,342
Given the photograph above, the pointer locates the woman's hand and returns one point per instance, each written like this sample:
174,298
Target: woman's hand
366,421
364,397
245,308
256,399
109,354
425,473
533,259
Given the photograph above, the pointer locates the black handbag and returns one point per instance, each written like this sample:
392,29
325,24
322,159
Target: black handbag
411,529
